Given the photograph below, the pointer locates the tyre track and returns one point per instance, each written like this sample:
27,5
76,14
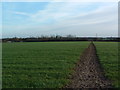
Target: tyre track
88,72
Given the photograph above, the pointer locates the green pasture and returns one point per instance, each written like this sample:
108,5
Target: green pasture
49,64
39,64
108,55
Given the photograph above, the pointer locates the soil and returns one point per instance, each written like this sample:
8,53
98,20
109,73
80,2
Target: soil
88,72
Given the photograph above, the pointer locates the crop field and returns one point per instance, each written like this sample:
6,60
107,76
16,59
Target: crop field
39,64
108,55
49,64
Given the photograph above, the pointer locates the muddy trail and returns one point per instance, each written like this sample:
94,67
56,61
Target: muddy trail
88,71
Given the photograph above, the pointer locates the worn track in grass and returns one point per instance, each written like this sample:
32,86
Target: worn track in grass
88,71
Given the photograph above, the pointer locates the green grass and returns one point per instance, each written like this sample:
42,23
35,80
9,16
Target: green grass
48,64
108,55
39,64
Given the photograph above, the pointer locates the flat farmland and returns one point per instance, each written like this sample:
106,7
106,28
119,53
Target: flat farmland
39,64
49,64
108,55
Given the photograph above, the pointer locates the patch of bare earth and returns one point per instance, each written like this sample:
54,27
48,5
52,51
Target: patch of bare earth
88,72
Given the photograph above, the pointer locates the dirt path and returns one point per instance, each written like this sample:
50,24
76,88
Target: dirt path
88,72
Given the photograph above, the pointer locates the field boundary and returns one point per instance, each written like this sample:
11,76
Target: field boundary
88,72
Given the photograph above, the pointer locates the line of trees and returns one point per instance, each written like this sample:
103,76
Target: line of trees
59,38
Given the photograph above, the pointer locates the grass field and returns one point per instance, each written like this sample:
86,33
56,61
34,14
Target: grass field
108,55
39,64
48,64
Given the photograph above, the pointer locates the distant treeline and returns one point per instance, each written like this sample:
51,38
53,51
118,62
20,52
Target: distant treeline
59,38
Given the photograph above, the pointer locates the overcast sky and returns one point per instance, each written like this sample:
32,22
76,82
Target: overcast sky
23,19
